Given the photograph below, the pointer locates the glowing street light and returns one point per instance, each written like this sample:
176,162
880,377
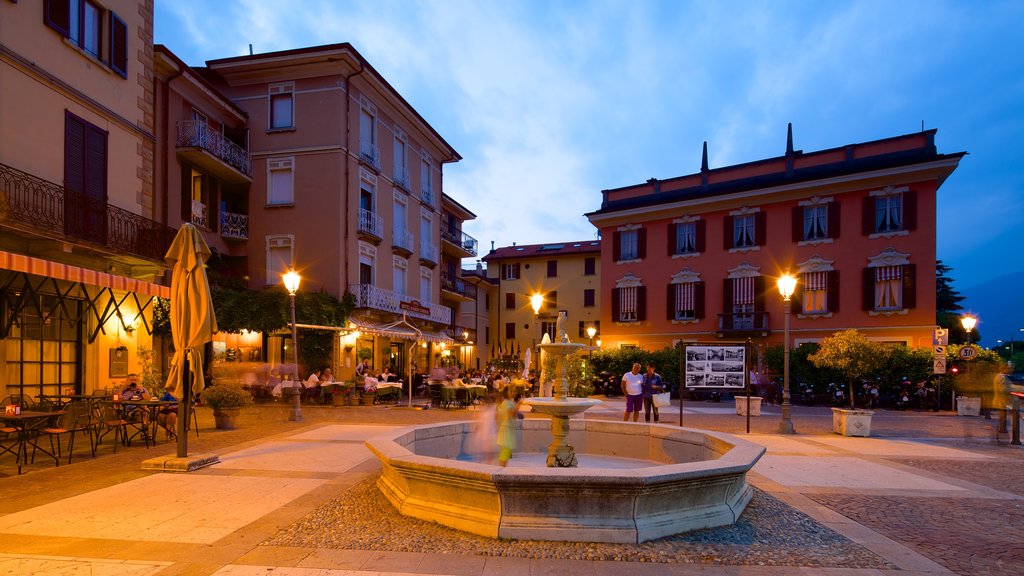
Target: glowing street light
787,285
968,322
291,283
591,332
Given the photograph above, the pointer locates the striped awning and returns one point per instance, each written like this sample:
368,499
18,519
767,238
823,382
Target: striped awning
743,290
815,281
71,273
884,273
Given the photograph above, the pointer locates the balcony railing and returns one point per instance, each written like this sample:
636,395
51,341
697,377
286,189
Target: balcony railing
52,211
743,322
370,223
427,193
370,154
402,177
200,216
460,239
376,298
428,253
403,240
457,285
234,226
199,135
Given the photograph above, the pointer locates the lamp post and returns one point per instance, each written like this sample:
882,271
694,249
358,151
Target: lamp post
536,301
787,284
968,322
291,283
591,331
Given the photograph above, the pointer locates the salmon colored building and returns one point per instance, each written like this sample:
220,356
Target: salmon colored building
566,274
696,258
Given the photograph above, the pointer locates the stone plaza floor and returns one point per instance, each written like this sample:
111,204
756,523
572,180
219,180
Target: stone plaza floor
927,493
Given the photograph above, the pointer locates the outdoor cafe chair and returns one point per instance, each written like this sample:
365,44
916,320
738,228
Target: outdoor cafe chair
70,422
110,420
9,441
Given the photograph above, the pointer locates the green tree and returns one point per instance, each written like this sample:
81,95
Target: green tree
851,355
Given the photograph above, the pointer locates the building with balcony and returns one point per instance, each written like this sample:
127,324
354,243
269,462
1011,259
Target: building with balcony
696,257
568,277
81,244
346,181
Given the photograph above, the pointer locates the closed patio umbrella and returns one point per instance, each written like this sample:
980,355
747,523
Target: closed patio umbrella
193,321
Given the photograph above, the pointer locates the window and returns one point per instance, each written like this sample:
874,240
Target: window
891,210
549,328
685,301
552,268
628,304
426,185
118,45
366,272
588,298
889,288
426,285
510,301
684,241
628,242
401,237
368,150
43,343
398,279
85,179
743,300
551,299
280,190
401,161
279,257
589,266
199,199
815,222
282,106
889,213
815,292
510,271
81,22
426,235
510,330
743,231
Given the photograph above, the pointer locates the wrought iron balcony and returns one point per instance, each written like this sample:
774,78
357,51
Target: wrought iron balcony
427,193
200,215
402,177
376,298
371,224
456,285
743,322
464,242
49,210
370,154
235,226
428,254
401,241
196,135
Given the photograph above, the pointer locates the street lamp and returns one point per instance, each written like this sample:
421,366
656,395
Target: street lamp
536,301
291,283
591,331
787,284
968,322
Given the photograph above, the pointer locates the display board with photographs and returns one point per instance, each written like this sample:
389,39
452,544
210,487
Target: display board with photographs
715,367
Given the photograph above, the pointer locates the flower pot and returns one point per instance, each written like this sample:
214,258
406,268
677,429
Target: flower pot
968,406
226,418
741,405
368,399
851,422
339,398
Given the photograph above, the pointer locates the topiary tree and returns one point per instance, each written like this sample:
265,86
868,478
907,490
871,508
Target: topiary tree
851,355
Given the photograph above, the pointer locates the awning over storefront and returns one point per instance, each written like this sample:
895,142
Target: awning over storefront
400,330
70,273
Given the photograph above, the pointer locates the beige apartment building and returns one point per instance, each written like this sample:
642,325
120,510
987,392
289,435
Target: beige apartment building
80,242
567,276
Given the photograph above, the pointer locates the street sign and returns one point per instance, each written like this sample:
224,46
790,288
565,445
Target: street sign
939,366
940,351
940,337
968,352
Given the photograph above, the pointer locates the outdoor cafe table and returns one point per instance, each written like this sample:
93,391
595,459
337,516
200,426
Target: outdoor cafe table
62,400
449,394
28,424
147,426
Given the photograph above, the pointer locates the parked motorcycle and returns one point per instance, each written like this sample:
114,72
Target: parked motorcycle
902,401
838,394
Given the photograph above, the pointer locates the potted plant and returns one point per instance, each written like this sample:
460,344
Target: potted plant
227,401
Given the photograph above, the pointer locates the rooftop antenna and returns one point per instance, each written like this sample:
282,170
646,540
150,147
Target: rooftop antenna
250,49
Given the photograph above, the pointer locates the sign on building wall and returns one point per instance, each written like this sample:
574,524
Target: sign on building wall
715,366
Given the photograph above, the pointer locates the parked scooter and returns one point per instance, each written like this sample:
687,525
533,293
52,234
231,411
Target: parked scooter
902,401
838,394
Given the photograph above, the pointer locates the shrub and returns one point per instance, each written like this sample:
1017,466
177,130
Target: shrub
223,396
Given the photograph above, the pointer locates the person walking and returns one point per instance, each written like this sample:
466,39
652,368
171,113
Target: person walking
633,389
507,416
650,386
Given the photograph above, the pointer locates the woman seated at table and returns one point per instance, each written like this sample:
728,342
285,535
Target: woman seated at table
386,375
167,416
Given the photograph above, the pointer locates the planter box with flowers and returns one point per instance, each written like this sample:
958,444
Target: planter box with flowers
227,401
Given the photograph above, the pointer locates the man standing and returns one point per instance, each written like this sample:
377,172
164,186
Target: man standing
633,388
652,385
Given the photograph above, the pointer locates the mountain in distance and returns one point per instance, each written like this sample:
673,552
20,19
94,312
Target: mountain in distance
999,306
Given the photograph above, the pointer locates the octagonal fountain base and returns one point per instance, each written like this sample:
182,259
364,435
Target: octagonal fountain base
683,479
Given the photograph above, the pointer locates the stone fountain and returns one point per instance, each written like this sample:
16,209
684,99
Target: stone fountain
560,407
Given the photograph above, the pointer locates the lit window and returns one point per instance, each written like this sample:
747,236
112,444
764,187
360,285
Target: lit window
815,292
889,288
627,304
685,307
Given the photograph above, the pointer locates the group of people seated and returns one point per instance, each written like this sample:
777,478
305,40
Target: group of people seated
166,415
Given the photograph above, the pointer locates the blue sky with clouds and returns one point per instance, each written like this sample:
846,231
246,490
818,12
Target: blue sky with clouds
549,102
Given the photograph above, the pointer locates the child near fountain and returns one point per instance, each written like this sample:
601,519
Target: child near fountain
508,415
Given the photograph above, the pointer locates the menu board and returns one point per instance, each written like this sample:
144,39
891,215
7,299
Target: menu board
715,367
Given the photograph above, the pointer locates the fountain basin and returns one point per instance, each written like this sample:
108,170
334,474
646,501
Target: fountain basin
691,479
560,406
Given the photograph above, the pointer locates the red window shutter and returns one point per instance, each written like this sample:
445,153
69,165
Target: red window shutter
57,15
910,210
796,300
833,219
517,270
118,45
615,304
727,296
95,165
909,286
759,294
868,289
868,216
698,299
798,223
832,291
641,303
617,246
760,228
727,231
74,153
672,233
641,243
670,302
701,230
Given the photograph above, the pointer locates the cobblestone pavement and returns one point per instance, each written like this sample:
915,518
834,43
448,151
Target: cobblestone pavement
929,493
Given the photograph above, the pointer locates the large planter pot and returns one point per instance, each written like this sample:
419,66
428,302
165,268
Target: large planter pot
741,405
368,399
851,422
226,418
340,398
968,406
